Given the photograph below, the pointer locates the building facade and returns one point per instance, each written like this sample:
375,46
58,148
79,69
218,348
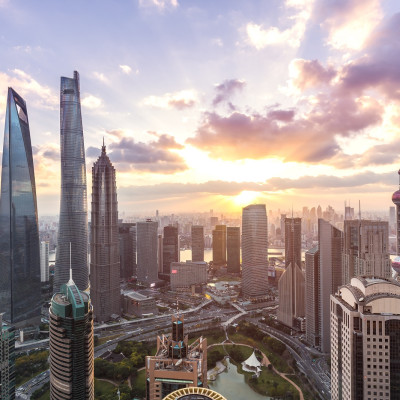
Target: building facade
127,249
7,361
233,249
136,304
73,225
219,245
365,329
197,243
254,251
292,241
71,344
170,247
44,261
396,201
186,274
104,244
20,297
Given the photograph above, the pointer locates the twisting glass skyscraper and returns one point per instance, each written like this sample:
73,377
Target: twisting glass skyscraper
104,245
19,237
73,204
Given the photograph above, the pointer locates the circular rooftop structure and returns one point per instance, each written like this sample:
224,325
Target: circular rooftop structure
194,393
396,197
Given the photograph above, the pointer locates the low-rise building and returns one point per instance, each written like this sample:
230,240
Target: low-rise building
184,275
138,304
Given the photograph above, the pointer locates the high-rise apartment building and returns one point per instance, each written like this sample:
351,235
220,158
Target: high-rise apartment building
176,364
197,243
146,244
73,225
170,247
312,297
71,344
44,261
254,251
219,245
233,249
127,249
292,241
365,336
20,297
366,249
330,242
104,245
7,360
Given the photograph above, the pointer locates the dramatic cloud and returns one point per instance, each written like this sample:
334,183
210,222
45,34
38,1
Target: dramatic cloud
165,141
179,100
91,102
260,37
226,89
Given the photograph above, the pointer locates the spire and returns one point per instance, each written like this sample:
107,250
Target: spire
103,148
70,282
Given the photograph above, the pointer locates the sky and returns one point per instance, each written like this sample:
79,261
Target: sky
215,104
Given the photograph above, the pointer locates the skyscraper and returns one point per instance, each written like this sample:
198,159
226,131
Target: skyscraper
366,249
254,251
20,297
127,249
73,226
71,344
396,201
233,249
7,361
219,245
365,329
104,245
292,241
146,239
44,261
197,243
170,247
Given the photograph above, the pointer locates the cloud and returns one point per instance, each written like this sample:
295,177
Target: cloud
101,77
160,4
165,141
126,69
91,102
226,90
349,22
179,100
260,37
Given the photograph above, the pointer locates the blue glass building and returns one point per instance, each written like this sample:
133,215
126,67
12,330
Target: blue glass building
20,295
73,227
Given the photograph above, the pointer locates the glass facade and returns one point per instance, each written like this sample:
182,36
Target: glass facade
19,238
73,227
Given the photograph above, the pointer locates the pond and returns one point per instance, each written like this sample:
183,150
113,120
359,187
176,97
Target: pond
232,385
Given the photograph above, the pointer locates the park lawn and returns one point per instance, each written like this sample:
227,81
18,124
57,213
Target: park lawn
140,379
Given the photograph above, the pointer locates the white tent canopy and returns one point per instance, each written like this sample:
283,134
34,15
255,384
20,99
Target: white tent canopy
252,361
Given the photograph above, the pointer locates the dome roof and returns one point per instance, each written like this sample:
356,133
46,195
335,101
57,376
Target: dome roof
396,197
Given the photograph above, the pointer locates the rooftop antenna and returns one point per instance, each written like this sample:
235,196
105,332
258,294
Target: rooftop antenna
70,265
359,210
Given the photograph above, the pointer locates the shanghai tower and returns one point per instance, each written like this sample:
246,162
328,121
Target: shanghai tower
20,297
104,244
72,228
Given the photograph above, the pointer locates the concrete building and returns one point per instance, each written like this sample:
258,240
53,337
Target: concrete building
291,308
365,331
312,297
104,243
71,344
44,261
177,364
254,251
292,241
366,249
186,274
197,243
146,240
233,249
7,361
330,242
160,253
127,249
136,304
219,245
170,247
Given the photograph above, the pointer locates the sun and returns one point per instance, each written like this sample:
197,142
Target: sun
245,198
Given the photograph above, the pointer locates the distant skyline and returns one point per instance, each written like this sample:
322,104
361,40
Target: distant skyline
215,105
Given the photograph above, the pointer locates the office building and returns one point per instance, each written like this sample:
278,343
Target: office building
146,245
186,274
170,247
177,364
366,249
312,297
160,253
392,218
7,360
44,261
365,330
136,304
291,308
20,297
292,241
330,242
127,249
71,344
219,245
254,251
104,244
73,225
396,201
233,249
197,243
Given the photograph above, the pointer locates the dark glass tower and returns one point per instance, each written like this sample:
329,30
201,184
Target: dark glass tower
19,237
104,245
170,247
73,203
